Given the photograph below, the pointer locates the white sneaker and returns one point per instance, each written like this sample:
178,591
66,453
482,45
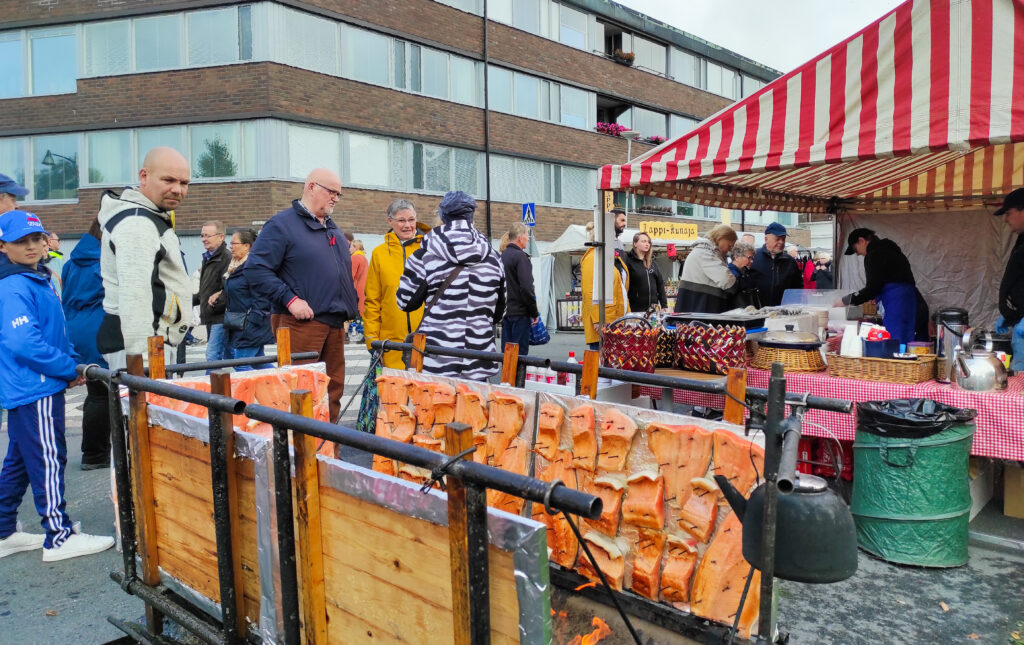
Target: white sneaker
76,545
18,541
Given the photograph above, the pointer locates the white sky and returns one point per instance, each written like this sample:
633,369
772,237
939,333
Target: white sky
779,33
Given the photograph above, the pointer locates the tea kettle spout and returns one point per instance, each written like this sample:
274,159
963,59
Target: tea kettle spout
733,496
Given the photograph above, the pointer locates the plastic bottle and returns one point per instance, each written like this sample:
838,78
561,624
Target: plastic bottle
531,373
549,376
570,379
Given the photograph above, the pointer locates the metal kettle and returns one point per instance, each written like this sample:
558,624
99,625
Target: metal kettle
815,537
950,325
977,370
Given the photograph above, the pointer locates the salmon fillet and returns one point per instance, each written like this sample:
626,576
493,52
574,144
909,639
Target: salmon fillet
584,438
644,504
562,545
273,390
683,453
505,417
444,409
393,390
470,408
399,423
549,427
195,409
617,431
679,566
243,389
610,489
719,580
383,465
313,381
422,397
414,474
255,427
609,559
647,552
512,459
697,517
735,458
428,442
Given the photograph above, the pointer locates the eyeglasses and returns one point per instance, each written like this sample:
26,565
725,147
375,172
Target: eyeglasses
210,237
335,194
404,222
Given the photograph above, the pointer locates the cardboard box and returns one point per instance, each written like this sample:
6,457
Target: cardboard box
1013,490
982,474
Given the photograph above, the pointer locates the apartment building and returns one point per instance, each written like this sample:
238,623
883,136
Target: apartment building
405,98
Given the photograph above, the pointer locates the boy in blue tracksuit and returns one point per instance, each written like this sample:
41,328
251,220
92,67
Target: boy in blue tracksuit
37,363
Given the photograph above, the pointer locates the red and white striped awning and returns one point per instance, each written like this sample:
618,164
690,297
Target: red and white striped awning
924,108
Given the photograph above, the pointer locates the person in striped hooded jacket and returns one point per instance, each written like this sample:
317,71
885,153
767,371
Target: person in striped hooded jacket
465,312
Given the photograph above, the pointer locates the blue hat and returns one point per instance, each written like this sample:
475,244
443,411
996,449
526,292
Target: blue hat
775,229
457,205
15,225
8,185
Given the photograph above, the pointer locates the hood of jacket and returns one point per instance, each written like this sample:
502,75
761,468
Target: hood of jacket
393,244
460,243
86,252
8,268
704,244
111,204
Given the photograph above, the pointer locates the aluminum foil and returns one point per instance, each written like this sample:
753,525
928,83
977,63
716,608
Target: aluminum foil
271,623
525,538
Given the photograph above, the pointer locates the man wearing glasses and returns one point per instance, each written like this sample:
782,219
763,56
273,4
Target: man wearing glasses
301,264
216,259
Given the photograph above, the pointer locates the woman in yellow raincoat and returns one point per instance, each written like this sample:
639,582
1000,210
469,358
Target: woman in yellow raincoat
615,294
382,319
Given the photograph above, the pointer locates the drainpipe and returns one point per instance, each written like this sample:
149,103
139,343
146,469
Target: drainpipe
487,134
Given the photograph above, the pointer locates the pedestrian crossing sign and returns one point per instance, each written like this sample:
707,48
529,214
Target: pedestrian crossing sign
530,214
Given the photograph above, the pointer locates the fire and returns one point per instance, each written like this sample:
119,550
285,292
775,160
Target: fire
585,585
600,633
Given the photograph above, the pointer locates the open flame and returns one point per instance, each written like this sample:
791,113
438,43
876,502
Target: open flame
601,631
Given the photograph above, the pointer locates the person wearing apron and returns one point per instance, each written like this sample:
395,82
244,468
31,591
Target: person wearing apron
890,281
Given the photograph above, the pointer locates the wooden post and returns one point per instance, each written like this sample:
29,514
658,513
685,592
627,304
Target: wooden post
736,385
220,383
419,343
310,541
142,490
284,346
510,364
459,437
155,345
588,380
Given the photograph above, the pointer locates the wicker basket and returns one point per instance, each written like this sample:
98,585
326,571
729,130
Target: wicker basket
630,343
794,360
666,354
887,370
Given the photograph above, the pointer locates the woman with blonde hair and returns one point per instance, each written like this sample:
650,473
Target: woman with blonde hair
707,284
646,285
615,293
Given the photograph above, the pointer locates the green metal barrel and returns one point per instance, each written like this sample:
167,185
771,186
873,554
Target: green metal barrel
911,497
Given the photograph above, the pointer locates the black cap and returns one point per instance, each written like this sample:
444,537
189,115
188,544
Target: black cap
1014,199
855,235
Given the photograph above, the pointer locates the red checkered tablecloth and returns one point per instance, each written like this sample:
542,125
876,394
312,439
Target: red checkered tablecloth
1000,420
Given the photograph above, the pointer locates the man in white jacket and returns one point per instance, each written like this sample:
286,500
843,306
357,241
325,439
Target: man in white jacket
147,291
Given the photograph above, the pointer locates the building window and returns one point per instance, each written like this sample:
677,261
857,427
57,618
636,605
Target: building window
437,171
367,160
465,80
572,27
577,187
503,179
310,148
526,15
12,159
365,56
435,73
714,78
54,61
573,107
469,6
158,42
466,171
148,138
12,65
212,36
526,90
684,67
649,55
106,48
216,150
730,84
499,86
55,167
310,42
109,157
679,125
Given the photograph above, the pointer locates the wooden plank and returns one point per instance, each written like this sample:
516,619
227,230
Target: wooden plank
155,347
189,554
309,541
510,364
379,559
142,491
220,383
588,380
284,346
736,385
459,437
419,343
687,374
189,475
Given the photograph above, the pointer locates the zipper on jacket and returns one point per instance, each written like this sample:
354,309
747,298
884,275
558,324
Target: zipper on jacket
408,316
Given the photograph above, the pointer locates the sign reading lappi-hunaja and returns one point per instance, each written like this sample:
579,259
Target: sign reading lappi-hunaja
669,230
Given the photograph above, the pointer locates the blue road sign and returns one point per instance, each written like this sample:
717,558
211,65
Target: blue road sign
530,214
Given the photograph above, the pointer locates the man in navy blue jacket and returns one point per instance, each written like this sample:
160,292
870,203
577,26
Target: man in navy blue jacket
773,271
300,263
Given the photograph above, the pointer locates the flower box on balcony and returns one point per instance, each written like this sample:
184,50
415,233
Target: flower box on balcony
623,58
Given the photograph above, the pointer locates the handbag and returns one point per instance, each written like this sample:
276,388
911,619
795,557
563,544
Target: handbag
366,420
539,333
407,353
235,320
703,347
630,343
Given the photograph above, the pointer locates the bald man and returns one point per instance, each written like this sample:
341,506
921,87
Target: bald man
147,291
300,263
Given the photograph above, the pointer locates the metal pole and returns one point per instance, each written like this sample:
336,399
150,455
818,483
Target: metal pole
286,536
776,409
222,526
479,575
122,479
487,131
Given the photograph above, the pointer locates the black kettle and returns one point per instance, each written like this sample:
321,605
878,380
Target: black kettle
815,537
